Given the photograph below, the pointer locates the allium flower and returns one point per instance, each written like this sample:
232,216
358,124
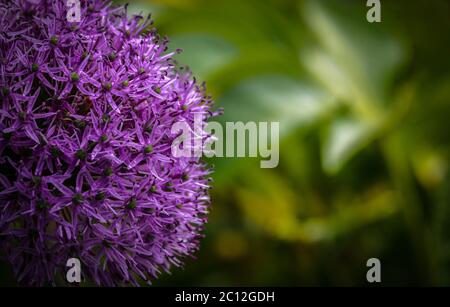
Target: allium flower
86,169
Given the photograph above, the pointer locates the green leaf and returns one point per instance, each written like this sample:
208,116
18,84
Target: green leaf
142,7
362,57
356,62
244,23
344,138
293,103
204,53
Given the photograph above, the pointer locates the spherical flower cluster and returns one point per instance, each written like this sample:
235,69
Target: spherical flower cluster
86,169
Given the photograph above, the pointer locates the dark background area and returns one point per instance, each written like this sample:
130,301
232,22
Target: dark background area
364,155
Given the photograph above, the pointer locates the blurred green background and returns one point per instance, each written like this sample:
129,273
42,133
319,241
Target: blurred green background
364,156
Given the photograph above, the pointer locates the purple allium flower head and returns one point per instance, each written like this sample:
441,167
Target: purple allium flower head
86,169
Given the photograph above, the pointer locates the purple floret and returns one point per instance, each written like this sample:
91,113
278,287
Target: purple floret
86,169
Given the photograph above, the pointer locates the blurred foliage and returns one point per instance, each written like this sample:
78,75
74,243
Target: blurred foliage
364,155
